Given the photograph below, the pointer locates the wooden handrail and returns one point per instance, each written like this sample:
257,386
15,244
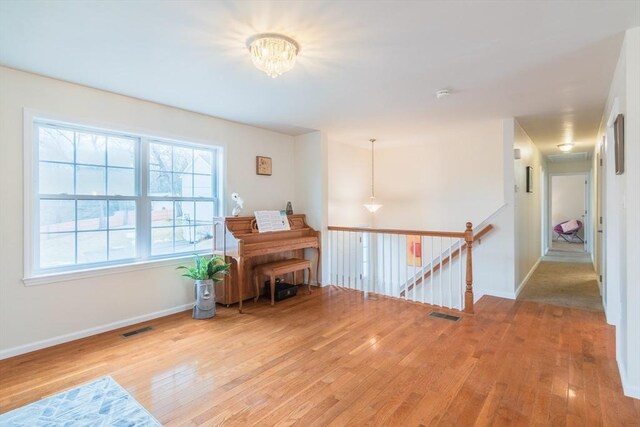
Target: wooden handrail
458,235
468,236
448,259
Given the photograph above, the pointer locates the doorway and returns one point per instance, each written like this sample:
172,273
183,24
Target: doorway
569,223
565,275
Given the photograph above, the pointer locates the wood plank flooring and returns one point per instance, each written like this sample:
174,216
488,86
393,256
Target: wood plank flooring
335,358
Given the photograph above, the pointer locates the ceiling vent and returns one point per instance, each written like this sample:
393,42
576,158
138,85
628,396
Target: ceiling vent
568,157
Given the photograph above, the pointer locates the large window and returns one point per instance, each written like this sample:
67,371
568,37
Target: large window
109,198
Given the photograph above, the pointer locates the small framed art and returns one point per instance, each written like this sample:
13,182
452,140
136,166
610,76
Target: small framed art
618,129
263,165
529,179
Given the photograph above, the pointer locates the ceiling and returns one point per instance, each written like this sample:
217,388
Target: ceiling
366,69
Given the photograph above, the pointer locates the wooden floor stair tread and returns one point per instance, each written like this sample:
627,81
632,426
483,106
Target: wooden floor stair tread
337,358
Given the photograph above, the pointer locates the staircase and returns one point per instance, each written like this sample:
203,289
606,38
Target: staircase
432,267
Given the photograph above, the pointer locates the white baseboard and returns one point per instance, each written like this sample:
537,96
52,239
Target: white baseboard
630,390
527,277
479,293
26,348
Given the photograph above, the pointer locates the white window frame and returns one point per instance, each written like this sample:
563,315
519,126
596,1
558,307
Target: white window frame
35,276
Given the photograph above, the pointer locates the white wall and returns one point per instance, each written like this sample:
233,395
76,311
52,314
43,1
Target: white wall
36,316
440,186
435,187
621,213
349,184
311,178
567,198
528,207
569,167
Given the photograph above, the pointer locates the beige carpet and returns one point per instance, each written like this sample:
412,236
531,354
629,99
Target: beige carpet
561,245
568,284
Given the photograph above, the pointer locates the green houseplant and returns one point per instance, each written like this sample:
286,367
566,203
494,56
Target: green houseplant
205,271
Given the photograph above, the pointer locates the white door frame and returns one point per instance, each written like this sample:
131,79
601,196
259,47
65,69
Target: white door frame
600,252
586,220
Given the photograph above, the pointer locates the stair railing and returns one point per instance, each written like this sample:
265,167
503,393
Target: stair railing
416,265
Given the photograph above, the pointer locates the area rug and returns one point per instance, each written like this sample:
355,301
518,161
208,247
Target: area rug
102,402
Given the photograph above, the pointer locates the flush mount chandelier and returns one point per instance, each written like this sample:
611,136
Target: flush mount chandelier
275,54
565,148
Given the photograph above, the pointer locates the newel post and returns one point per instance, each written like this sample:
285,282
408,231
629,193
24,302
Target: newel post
468,295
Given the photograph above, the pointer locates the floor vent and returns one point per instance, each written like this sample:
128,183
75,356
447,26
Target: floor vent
136,332
444,316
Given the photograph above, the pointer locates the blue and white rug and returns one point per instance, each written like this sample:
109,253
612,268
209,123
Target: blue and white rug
102,402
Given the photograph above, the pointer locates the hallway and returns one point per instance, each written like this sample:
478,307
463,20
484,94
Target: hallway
565,277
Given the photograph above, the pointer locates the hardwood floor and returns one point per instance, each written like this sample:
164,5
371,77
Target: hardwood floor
334,358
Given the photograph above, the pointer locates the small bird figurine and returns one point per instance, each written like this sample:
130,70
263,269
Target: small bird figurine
239,204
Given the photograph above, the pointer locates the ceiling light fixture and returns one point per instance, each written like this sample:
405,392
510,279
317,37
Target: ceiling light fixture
565,148
372,206
274,54
442,93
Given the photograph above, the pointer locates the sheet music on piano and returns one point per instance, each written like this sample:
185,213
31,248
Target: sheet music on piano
268,221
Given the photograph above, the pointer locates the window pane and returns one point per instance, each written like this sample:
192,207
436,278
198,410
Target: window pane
161,241
182,185
160,157
204,237
184,239
92,247
55,144
159,183
122,244
121,182
90,180
57,215
57,250
91,149
182,159
55,178
204,213
92,214
203,161
122,214
121,152
184,213
161,214
202,186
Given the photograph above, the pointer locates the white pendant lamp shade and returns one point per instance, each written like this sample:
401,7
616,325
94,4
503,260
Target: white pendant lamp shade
373,205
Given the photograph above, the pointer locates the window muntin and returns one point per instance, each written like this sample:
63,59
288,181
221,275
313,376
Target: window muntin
90,209
181,191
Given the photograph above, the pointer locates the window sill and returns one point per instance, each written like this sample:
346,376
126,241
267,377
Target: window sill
101,271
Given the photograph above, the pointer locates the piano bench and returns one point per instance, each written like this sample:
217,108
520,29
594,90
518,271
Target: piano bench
278,268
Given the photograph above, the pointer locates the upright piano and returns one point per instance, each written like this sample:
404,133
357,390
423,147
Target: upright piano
239,241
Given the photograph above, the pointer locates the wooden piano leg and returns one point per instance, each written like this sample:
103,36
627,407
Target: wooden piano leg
256,281
273,289
317,266
240,282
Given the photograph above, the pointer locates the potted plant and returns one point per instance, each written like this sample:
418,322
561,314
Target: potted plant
205,271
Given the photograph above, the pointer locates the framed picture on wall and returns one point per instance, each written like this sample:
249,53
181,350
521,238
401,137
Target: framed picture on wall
529,179
263,165
618,134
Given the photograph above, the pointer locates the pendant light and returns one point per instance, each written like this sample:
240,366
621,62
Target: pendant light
372,206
